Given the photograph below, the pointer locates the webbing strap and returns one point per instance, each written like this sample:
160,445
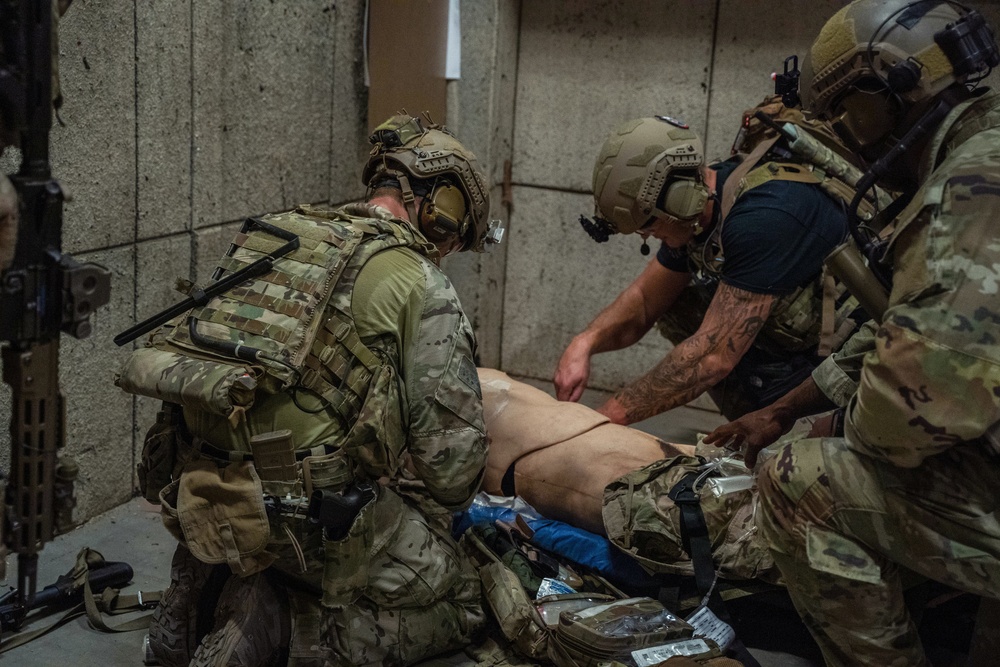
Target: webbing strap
695,540
277,276
731,187
341,325
110,602
293,309
271,330
828,320
694,532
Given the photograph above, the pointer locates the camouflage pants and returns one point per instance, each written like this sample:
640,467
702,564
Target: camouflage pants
842,525
420,595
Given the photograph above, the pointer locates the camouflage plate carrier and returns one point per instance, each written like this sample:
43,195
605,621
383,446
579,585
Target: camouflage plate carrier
298,319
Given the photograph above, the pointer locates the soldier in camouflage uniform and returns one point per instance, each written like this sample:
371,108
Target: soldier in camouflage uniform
385,414
915,481
746,323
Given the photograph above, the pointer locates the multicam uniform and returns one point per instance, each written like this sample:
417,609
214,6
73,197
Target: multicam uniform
915,482
397,588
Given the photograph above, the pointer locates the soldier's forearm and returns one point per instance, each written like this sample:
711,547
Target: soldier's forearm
685,373
805,400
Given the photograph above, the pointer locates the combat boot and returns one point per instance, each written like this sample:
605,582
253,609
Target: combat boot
252,626
174,629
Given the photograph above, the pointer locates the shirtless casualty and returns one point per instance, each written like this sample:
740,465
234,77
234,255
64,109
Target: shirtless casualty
572,464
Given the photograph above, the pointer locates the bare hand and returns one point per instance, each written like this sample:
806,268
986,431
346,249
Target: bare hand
752,432
572,372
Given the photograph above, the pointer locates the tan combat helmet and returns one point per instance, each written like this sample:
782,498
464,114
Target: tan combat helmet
429,161
647,168
874,60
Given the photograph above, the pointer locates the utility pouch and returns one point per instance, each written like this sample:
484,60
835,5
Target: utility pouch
330,471
159,452
346,560
528,624
274,456
614,632
221,513
515,612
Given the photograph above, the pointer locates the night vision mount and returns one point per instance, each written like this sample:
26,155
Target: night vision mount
599,229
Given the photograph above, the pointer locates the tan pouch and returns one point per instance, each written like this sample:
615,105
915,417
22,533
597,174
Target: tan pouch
221,512
330,471
514,610
346,561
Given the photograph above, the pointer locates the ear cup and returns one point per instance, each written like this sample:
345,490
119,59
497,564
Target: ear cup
685,199
442,213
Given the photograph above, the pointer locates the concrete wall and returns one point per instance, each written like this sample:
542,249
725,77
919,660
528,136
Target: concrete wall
184,116
181,118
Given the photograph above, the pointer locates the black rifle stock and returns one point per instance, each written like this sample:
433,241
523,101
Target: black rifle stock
42,293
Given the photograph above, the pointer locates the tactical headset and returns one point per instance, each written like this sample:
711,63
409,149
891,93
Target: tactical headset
442,212
685,198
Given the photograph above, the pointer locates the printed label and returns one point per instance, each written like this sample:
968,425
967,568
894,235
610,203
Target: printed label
656,654
707,624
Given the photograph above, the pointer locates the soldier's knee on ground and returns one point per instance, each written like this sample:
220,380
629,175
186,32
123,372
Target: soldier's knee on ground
252,625
184,613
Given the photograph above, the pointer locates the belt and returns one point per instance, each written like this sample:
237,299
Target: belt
231,456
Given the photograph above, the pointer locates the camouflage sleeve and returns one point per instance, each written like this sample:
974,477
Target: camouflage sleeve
837,376
933,380
447,438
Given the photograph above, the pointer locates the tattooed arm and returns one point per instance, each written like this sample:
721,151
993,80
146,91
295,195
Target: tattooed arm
698,363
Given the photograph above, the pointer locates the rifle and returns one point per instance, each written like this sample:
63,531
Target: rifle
42,292
64,592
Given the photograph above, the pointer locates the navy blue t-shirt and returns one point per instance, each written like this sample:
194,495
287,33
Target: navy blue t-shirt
775,237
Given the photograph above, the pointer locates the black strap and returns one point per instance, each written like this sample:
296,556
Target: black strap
696,542
507,482
230,456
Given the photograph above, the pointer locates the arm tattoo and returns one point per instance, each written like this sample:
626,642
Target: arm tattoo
730,326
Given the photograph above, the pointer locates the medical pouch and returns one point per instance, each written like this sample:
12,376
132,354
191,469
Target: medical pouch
221,513
613,631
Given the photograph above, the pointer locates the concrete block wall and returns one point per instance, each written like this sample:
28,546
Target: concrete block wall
181,118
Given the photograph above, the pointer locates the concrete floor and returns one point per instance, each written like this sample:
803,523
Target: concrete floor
133,533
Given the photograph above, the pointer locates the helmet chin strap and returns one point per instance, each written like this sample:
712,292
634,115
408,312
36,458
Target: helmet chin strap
409,201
